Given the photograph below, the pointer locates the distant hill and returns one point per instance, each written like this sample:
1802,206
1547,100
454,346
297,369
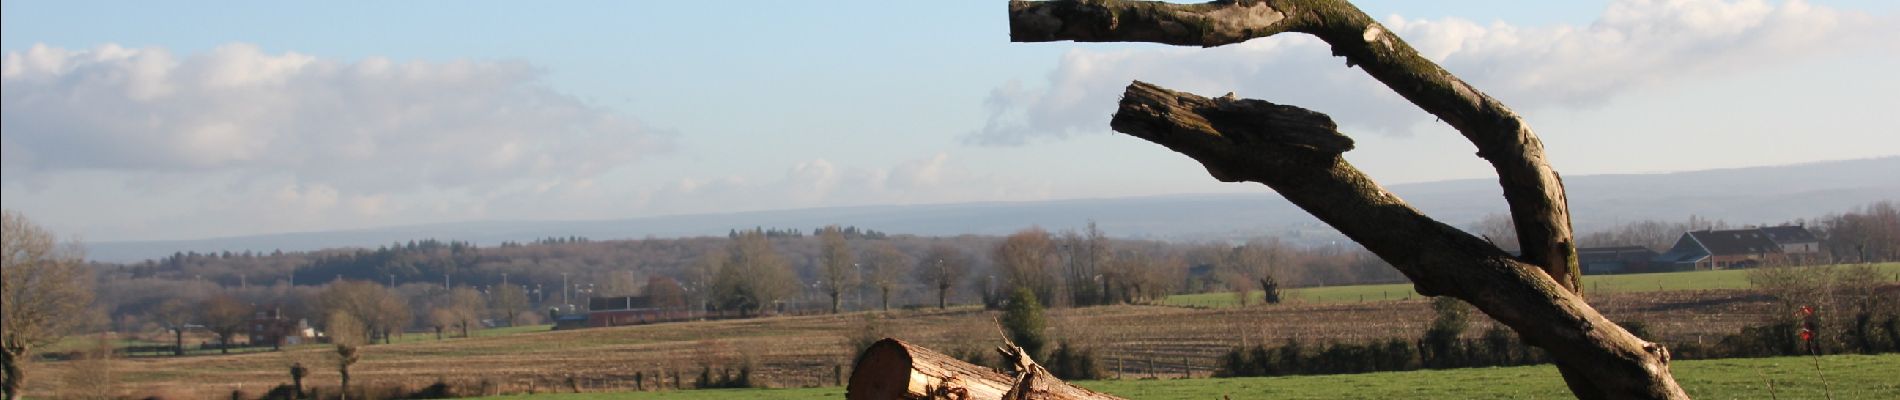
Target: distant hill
1740,196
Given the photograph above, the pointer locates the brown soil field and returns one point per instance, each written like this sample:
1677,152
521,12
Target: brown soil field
801,351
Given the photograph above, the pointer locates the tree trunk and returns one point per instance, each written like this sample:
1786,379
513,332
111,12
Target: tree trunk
224,343
1298,153
834,302
12,377
178,341
893,369
943,297
887,298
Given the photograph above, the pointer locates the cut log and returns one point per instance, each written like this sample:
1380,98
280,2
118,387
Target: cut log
894,369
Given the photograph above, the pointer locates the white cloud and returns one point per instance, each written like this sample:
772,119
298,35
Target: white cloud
1634,44
313,199
352,132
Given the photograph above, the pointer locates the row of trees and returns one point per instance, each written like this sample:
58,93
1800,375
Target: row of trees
1869,233
751,275
1864,234
841,264
1071,268
754,273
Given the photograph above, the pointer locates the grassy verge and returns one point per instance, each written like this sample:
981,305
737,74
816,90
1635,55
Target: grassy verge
1849,376
429,336
1628,283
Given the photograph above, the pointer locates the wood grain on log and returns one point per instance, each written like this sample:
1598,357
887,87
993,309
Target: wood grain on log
894,369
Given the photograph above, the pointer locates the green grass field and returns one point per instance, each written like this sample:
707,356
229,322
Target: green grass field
452,333
1848,377
1630,283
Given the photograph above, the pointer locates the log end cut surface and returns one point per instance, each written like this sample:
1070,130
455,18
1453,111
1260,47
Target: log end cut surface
882,372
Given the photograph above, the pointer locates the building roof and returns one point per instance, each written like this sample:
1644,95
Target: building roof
1735,242
1613,250
1625,253
1789,234
619,303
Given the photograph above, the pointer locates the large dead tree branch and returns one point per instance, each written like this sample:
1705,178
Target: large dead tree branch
1532,189
1297,153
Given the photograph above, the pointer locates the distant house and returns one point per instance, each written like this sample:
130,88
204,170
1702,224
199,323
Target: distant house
270,327
1795,240
1738,248
630,310
1615,260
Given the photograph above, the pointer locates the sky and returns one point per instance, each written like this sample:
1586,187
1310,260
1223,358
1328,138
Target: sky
186,120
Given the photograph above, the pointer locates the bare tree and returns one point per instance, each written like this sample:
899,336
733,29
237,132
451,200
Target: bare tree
349,335
1298,153
176,314
377,308
224,315
440,319
1026,261
510,301
1865,234
455,308
754,277
468,307
1265,264
941,268
44,290
1085,257
837,271
888,268
701,275
391,314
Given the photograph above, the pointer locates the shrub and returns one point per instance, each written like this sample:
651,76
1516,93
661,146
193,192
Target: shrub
1022,318
1073,363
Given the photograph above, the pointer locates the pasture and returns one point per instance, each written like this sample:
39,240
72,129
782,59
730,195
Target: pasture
1848,377
1132,341
1593,285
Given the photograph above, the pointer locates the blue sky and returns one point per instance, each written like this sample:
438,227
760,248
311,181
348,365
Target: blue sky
151,120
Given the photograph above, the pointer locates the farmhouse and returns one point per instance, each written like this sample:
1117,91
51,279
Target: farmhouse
270,327
1793,239
1737,248
630,310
